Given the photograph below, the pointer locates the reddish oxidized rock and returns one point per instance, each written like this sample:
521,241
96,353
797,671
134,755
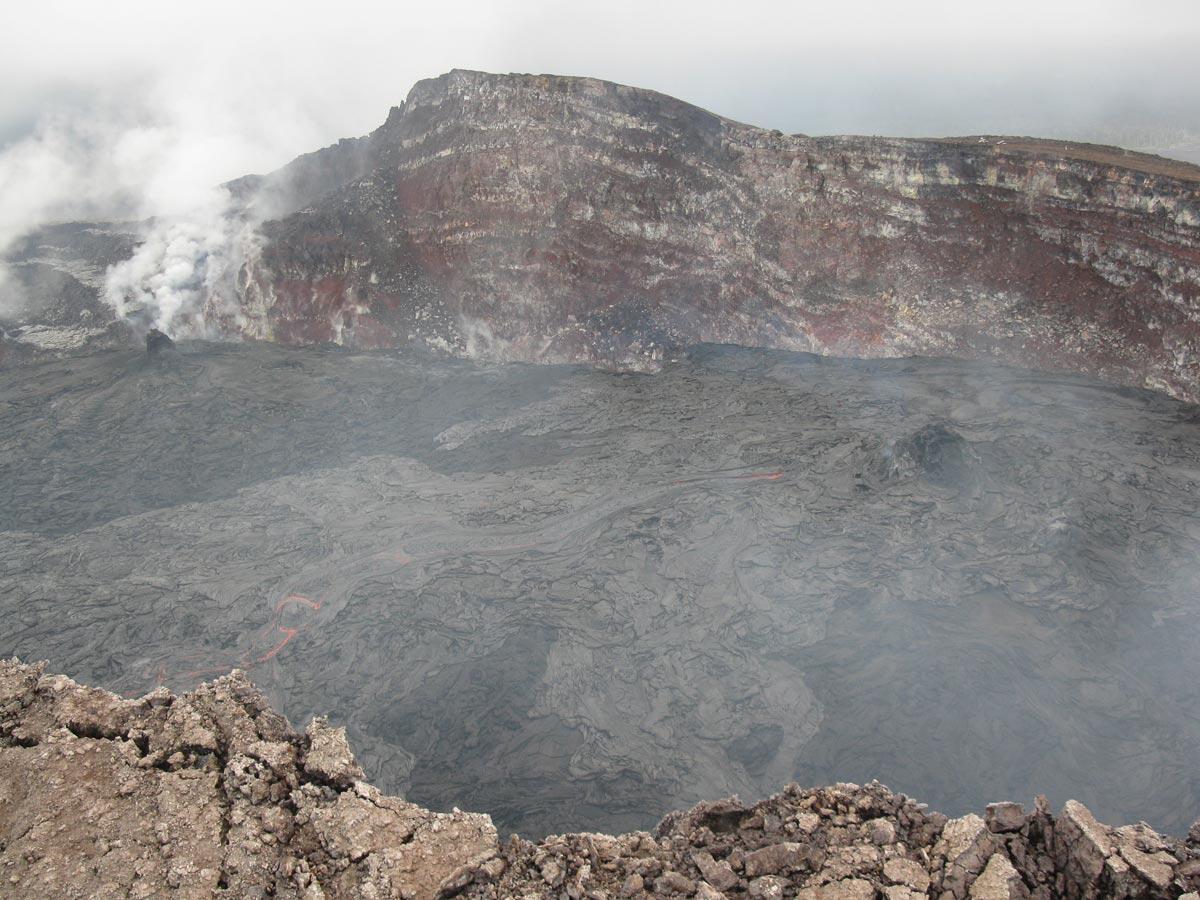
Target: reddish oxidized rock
552,219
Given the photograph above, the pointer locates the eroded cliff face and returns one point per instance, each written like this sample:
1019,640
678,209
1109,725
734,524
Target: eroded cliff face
213,794
547,218
565,219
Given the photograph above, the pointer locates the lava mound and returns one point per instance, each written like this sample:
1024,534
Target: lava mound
156,342
934,452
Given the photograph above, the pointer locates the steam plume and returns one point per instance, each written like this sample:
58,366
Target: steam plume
182,278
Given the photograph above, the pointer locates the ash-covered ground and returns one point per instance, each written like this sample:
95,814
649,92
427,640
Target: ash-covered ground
578,599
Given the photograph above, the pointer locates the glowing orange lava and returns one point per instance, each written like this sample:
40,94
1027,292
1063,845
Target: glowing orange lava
297,598
288,634
248,659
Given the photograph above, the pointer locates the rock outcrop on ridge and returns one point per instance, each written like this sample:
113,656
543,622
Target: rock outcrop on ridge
212,793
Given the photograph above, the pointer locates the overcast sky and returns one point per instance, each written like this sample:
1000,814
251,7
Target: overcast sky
138,106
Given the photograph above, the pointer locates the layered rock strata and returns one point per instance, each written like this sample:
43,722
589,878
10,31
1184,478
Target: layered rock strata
547,218
212,793
570,219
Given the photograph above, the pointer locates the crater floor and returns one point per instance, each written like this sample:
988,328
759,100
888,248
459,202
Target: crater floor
576,599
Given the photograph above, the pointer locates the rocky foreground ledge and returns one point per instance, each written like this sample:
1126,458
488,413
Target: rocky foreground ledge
213,793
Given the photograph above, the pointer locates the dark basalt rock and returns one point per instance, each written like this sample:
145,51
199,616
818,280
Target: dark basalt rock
498,577
157,342
935,452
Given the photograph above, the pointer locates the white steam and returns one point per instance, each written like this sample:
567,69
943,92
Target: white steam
102,163
182,279
144,136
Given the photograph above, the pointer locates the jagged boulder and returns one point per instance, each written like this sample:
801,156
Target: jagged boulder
329,757
999,880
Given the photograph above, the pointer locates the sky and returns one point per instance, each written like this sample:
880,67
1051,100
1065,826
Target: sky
133,108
